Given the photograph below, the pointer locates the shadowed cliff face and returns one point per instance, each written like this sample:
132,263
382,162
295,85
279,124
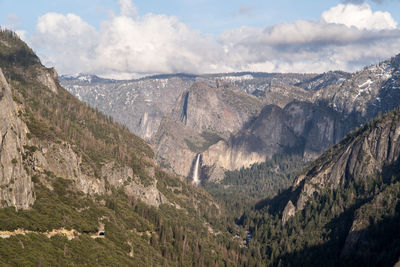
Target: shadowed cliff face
346,203
372,150
300,128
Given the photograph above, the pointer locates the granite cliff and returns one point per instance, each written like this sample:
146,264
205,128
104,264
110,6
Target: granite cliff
16,187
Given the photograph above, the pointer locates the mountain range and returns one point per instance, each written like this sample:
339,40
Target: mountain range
237,119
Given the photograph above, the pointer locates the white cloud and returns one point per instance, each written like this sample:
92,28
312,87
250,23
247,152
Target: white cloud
125,46
153,43
359,16
356,38
67,41
346,37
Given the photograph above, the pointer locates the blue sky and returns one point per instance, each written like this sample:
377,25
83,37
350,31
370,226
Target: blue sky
208,16
204,35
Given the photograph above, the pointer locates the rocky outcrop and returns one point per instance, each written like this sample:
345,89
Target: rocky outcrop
49,78
61,161
288,212
16,187
123,177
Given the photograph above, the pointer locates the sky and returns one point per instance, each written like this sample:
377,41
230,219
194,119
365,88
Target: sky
132,38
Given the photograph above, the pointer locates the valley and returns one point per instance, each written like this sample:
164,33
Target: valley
231,169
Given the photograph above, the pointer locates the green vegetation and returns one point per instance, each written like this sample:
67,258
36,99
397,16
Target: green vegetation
156,236
211,138
184,231
190,228
320,233
199,145
244,188
316,236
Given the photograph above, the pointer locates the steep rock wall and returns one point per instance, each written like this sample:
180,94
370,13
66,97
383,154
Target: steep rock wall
16,187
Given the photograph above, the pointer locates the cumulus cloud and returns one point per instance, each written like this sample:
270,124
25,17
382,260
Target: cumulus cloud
124,45
359,16
346,37
347,43
153,43
65,41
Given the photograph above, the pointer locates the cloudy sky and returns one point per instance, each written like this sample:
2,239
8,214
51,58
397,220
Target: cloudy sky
132,38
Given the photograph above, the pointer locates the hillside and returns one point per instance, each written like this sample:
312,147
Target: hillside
77,188
342,210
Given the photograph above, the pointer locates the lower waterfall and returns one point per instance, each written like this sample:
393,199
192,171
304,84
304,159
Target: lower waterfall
196,171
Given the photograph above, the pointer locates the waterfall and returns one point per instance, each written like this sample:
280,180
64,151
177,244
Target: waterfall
196,171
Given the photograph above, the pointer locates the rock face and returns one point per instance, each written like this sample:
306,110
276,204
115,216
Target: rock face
123,177
202,115
62,161
288,212
223,109
49,78
267,135
16,187
374,149
317,127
